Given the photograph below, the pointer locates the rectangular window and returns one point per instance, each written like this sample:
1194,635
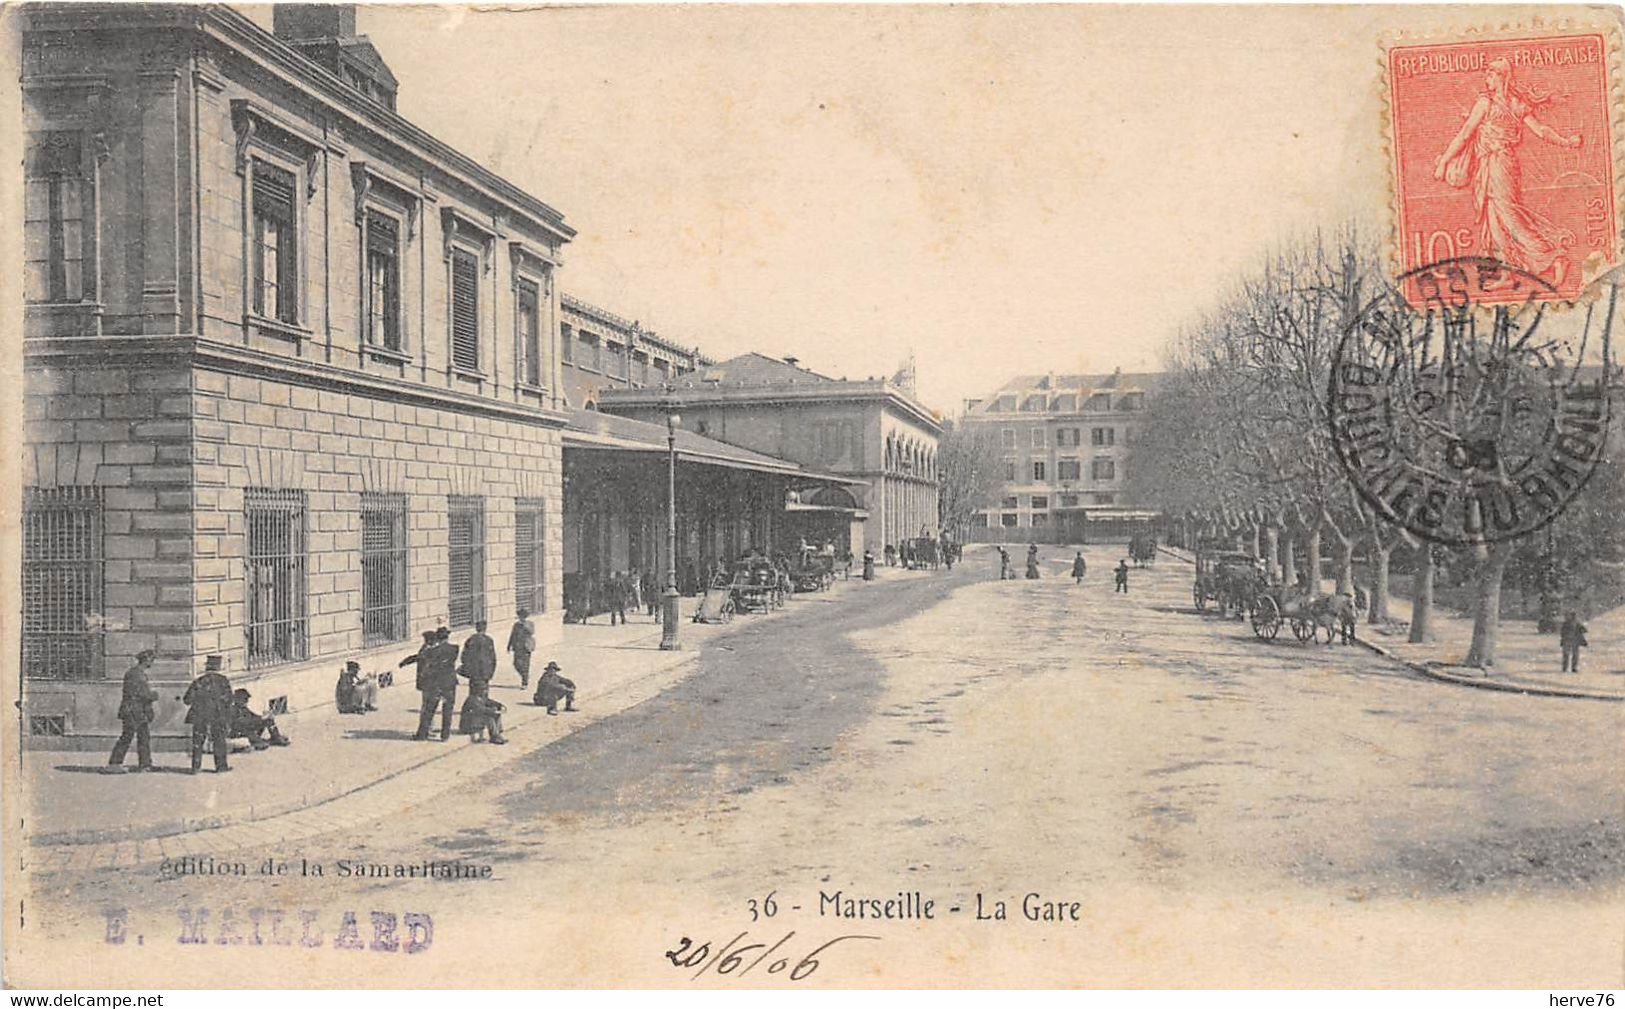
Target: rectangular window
662,370
1039,521
616,354
276,255
276,575
1100,401
1103,436
1103,469
1069,500
1105,499
1010,502
1008,437
1009,472
1068,469
979,520
1038,472
1040,502
640,367
566,339
383,291
1037,437
529,332
465,311
1067,437
466,557
1008,521
529,546
54,219
383,568
62,583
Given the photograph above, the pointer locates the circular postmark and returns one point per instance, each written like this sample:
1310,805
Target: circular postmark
1467,423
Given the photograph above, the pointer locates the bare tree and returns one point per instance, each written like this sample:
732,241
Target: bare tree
970,471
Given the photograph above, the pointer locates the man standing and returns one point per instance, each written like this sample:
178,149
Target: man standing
479,661
1004,564
617,598
1572,636
521,642
1122,577
135,712
437,681
1032,560
209,702
1079,566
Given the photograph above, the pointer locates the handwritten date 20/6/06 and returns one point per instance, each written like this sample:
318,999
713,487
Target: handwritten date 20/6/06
741,957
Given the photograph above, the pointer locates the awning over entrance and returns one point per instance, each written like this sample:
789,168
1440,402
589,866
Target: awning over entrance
589,429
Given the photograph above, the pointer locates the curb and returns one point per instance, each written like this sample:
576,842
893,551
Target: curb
1435,673
254,814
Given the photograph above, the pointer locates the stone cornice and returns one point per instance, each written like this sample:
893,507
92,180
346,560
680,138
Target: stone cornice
191,351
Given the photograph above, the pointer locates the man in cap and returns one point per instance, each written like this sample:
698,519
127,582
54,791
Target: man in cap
479,660
521,642
437,681
416,658
209,705
552,688
135,713
246,724
356,694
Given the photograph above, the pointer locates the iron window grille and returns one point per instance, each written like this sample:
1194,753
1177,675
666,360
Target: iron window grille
62,583
384,598
57,198
277,612
383,288
466,560
465,311
529,561
530,329
276,262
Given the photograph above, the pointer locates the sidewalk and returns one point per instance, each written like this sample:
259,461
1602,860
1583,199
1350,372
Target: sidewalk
1526,662
73,799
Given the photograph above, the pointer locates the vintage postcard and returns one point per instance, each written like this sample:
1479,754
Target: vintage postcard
794,497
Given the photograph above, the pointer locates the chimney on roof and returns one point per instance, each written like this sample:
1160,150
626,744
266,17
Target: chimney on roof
303,22
325,35
791,360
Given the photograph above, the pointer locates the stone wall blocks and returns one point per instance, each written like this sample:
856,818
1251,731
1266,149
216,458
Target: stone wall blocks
360,406
128,406
157,520
181,453
156,474
260,416
175,406
101,381
129,454
176,548
161,381
99,430
210,430
170,595
276,438
244,389
204,474
273,393
153,619
163,429
290,418
210,382
211,568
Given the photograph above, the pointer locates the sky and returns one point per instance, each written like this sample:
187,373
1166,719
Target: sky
998,190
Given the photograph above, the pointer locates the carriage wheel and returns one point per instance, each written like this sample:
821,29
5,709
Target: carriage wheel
1303,630
1267,619
1201,600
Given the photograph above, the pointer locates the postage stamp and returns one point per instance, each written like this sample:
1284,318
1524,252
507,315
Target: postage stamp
1505,148
1467,427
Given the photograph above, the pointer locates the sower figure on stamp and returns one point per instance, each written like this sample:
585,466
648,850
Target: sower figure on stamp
521,642
1572,637
552,688
135,714
209,705
479,661
437,682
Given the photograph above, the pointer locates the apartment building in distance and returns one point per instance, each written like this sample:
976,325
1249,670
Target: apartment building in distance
1066,443
601,350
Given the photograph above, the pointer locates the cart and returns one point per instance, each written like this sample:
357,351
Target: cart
717,604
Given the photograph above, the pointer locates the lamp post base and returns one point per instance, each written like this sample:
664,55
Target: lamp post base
668,621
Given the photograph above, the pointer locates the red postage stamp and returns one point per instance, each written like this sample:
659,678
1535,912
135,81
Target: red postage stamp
1504,149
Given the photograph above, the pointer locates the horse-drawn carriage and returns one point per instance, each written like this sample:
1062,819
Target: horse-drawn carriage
1237,583
1226,577
815,573
920,552
1142,549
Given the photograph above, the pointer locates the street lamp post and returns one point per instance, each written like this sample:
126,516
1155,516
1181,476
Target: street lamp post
668,598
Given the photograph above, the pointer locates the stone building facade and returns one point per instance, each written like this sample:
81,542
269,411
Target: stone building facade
871,430
601,350
293,390
1066,442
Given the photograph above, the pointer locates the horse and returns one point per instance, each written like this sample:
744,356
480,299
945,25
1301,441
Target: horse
1338,613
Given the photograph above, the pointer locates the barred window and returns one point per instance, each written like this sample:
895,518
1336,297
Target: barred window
529,331
529,559
55,216
466,554
383,568
383,290
277,630
465,311
276,259
62,583
1038,472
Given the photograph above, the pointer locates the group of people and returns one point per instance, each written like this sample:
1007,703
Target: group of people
216,713
632,591
438,670
1080,567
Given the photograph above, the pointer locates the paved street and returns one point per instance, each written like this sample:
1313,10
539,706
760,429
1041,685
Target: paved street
1196,791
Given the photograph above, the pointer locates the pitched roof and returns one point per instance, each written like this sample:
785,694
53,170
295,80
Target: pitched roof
591,429
759,369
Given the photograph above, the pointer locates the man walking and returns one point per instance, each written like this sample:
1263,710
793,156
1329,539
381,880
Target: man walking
617,598
135,713
1572,637
437,682
1004,564
209,704
521,642
479,661
1122,577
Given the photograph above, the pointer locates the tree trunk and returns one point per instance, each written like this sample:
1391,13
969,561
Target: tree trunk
1492,566
1377,612
1272,551
1344,551
1312,551
1255,540
1422,595
1289,561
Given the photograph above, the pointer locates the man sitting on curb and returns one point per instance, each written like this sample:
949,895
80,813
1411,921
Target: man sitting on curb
245,724
552,688
356,694
482,716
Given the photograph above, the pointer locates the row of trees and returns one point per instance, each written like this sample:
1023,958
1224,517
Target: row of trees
1239,437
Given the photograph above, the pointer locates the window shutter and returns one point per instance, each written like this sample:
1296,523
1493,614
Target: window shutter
465,312
273,191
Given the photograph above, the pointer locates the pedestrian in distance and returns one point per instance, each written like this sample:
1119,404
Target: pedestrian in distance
1572,637
869,565
1004,565
1032,561
634,590
354,693
521,643
1079,568
479,660
209,706
651,595
437,682
1122,577
891,555
135,715
551,688
617,598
